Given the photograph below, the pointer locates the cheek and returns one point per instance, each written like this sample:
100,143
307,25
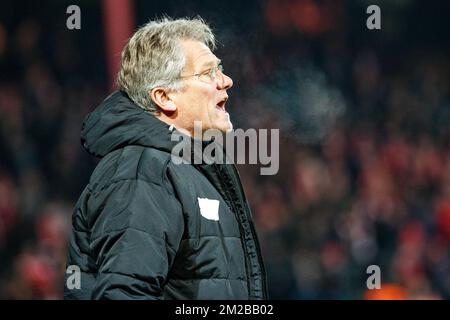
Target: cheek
200,105
206,103
192,106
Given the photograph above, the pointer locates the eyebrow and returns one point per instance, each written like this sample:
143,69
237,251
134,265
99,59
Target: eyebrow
211,63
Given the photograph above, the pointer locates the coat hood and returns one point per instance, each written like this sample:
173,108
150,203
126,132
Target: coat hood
118,122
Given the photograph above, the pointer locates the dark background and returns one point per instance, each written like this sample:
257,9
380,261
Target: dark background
364,138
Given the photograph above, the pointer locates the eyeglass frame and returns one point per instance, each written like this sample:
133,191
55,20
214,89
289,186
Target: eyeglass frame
218,68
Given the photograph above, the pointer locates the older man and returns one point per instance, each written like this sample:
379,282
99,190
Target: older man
145,227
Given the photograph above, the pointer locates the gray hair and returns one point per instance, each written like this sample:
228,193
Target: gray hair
153,57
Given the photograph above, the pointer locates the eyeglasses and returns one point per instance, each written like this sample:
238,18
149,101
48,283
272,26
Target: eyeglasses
209,76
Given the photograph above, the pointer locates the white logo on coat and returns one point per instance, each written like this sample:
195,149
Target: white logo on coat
209,208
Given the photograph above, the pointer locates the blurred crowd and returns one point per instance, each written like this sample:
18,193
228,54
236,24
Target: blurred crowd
364,173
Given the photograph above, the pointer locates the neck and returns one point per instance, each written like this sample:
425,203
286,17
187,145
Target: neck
174,124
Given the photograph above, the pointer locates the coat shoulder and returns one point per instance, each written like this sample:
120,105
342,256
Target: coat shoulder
132,162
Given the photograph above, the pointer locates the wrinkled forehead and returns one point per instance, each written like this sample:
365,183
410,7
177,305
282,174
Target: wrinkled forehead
198,56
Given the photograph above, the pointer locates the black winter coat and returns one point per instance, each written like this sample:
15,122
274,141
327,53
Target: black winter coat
146,228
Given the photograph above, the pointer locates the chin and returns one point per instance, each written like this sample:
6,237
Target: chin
229,129
225,128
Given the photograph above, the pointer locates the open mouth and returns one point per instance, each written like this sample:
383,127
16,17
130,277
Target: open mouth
221,105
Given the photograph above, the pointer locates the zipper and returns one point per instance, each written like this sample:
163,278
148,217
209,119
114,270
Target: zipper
235,211
253,231
234,176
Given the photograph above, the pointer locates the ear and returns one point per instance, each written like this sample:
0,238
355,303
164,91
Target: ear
162,99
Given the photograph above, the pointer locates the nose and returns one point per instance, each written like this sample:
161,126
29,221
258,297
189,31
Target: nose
225,82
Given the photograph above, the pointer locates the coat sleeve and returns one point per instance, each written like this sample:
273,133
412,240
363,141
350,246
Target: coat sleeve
135,238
